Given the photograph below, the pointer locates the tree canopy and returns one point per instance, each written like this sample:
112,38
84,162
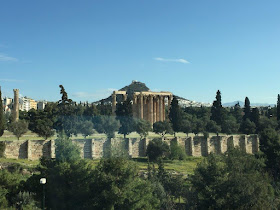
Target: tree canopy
175,115
232,181
217,109
124,115
18,128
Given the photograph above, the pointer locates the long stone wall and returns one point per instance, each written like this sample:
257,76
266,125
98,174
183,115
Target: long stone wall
200,146
134,147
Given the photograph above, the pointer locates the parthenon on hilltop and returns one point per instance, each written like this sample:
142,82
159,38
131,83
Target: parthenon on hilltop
146,105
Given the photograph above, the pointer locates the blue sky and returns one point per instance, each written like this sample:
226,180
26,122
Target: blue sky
191,48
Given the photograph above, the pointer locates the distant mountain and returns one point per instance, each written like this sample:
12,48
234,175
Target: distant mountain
136,86
241,103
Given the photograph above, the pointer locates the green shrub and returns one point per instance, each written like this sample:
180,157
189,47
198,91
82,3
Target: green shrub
157,149
18,128
66,150
177,152
14,168
2,149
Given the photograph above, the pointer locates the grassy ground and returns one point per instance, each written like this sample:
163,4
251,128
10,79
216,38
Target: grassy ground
23,162
184,167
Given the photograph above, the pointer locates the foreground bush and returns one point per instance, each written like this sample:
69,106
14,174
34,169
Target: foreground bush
116,185
234,180
113,184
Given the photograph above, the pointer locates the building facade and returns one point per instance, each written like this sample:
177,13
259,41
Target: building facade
25,104
41,105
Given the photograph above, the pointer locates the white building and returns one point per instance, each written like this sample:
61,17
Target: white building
7,104
24,104
41,105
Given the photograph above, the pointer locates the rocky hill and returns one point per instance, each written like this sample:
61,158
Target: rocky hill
136,86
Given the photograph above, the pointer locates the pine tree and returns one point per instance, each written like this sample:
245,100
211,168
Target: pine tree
175,115
217,109
278,108
247,109
64,98
66,114
2,122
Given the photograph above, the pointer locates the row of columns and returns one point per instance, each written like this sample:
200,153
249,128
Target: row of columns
150,107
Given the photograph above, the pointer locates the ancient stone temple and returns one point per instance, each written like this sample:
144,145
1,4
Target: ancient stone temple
146,105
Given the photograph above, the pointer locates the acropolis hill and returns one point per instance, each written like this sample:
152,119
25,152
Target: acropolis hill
137,86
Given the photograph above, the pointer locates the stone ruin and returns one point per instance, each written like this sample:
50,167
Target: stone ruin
134,147
146,105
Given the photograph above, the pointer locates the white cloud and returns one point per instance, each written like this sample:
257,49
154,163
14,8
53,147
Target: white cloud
4,57
11,80
97,95
180,60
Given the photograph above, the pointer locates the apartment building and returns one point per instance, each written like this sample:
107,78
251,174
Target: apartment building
25,104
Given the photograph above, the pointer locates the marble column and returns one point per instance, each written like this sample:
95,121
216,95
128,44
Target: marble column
141,107
114,103
163,108
154,109
151,113
16,105
145,109
158,112
160,108
134,106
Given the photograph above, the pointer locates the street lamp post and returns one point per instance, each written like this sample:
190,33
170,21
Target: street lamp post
43,181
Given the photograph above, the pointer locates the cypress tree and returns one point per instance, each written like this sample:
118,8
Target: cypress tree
125,116
237,112
216,110
247,109
175,115
2,122
278,108
255,116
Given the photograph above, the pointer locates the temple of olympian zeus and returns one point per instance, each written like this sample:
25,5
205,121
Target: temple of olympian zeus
146,105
